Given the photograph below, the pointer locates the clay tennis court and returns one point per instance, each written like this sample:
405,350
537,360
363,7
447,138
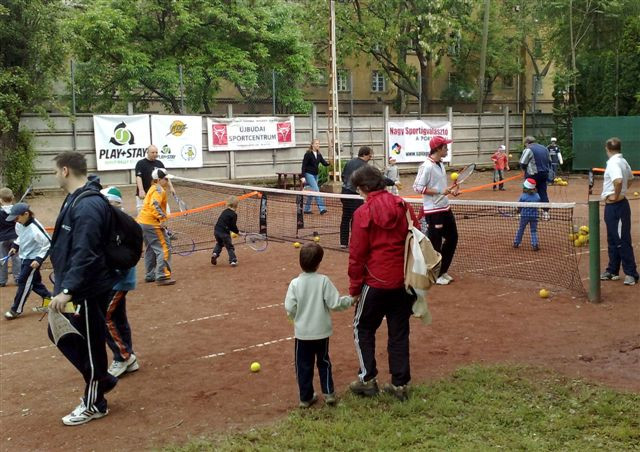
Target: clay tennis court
196,340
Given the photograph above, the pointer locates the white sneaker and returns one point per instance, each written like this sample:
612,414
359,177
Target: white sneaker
447,276
442,281
546,216
81,415
117,368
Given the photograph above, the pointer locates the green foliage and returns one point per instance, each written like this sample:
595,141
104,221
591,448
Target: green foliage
323,171
19,165
477,408
125,56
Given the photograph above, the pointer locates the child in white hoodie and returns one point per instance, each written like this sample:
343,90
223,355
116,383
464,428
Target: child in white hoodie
309,299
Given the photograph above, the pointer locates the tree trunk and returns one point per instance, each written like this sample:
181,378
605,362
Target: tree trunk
8,144
424,81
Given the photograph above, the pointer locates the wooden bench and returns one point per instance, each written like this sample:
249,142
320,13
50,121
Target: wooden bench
283,181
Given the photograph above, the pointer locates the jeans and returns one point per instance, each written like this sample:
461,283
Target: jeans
498,175
617,217
312,181
533,223
5,246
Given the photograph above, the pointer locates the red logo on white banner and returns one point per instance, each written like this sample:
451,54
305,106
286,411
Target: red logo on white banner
284,132
220,134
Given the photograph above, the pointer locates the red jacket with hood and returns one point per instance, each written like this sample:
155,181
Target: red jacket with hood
376,249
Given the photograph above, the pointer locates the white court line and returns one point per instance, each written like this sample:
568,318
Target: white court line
249,347
506,293
26,351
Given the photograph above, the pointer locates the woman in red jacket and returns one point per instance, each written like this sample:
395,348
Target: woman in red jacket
376,277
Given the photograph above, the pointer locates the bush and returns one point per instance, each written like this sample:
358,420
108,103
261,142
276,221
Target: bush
19,170
323,171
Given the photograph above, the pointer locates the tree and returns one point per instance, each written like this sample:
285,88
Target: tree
31,57
125,56
392,30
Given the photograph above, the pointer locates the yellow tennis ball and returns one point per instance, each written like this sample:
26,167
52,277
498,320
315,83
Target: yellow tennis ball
454,176
297,245
582,239
316,239
234,235
577,242
635,193
255,366
544,293
584,230
510,155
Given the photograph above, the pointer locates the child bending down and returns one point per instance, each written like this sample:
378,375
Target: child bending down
309,299
225,225
528,215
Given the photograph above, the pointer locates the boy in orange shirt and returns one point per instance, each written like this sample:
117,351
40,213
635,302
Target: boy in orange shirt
500,163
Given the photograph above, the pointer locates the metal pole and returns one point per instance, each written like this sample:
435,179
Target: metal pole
419,94
73,107
483,55
351,111
273,91
181,91
594,251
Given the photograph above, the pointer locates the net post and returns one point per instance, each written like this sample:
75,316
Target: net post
594,251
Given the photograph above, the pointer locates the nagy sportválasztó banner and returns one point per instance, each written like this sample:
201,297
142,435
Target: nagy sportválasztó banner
409,140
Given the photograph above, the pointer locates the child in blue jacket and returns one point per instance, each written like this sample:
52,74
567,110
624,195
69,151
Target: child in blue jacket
528,215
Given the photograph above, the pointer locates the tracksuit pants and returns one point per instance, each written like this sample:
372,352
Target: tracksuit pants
87,351
349,206
5,246
541,185
308,353
119,337
224,240
374,305
617,217
441,226
312,182
157,256
29,279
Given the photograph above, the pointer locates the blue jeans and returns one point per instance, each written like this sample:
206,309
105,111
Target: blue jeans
524,221
617,217
312,181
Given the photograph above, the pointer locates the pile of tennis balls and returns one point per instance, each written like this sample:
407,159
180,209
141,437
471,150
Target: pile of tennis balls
560,181
580,238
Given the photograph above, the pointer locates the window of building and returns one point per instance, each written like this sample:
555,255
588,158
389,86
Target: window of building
344,80
536,84
320,77
378,82
507,81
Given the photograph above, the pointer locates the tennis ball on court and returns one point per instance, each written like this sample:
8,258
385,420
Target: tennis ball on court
582,239
255,366
577,243
510,155
316,239
234,235
454,176
544,293
297,245
584,230
635,193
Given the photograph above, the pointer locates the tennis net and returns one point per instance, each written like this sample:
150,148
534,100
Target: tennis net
486,229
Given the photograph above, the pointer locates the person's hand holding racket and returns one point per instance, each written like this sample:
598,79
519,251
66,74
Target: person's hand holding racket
458,179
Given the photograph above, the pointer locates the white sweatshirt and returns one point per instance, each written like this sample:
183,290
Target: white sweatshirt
33,242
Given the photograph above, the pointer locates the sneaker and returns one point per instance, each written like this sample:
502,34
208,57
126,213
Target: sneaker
630,280
234,263
442,281
308,213
322,212
365,388
606,276
330,399
166,282
535,247
11,314
399,392
447,276
516,245
344,247
149,278
118,368
308,403
546,216
214,259
81,415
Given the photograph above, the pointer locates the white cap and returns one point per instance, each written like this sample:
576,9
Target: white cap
502,147
160,173
554,139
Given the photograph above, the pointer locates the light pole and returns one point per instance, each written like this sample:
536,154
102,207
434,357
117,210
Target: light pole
333,113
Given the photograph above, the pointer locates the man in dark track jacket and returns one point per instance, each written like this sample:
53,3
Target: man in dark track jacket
82,275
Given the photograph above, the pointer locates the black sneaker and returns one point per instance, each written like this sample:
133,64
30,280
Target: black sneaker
399,392
214,259
308,403
535,247
322,212
365,388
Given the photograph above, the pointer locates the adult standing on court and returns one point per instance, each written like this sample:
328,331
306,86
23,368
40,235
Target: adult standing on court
431,183
617,215
349,206
376,281
536,163
310,162
556,159
144,168
82,274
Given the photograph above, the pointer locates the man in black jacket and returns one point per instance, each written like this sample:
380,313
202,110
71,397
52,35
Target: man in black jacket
82,275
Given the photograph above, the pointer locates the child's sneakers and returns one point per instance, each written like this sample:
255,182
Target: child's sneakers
365,388
233,263
214,259
606,276
330,399
83,414
630,280
308,403
399,392
11,314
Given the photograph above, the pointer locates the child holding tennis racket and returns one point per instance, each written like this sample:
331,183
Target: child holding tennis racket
7,236
528,215
33,244
309,299
225,225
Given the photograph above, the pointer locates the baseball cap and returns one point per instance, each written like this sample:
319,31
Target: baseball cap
160,173
438,141
529,183
502,147
554,139
17,209
113,194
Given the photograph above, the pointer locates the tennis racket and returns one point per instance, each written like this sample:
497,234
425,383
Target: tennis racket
4,260
181,204
462,176
181,243
257,242
26,192
508,212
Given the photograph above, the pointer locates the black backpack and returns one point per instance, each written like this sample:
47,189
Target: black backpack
124,243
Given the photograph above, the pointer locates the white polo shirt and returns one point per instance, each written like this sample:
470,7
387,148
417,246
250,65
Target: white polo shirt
433,176
617,168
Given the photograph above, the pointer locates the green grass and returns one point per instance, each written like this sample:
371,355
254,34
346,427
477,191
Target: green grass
477,408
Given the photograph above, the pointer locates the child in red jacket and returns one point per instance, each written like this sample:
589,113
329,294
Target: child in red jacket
500,163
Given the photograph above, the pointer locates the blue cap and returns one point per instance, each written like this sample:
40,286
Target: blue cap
17,209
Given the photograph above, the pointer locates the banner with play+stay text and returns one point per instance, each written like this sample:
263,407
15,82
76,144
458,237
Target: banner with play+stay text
408,141
120,140
236,134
